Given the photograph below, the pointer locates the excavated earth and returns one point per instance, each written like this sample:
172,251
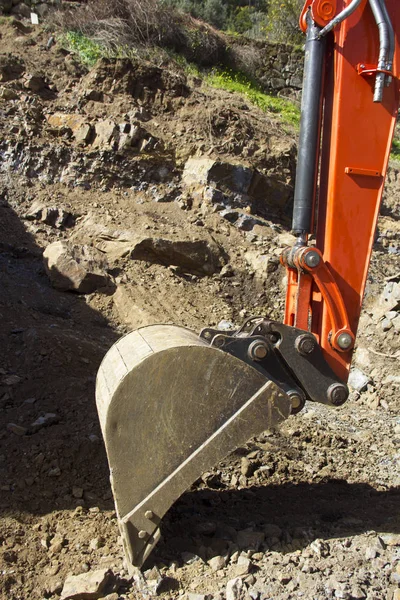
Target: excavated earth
182,195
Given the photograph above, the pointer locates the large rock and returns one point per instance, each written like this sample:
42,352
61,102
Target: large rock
199,256
76,268
51,215
239,185
88,586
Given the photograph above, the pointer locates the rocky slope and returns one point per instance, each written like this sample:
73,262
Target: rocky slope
184,193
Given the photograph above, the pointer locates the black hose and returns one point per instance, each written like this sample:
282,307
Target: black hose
310,130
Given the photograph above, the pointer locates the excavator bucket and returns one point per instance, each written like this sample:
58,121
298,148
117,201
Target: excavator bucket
171,406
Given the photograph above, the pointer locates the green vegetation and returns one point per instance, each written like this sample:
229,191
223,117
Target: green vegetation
275,20
87,50
239,83
395,153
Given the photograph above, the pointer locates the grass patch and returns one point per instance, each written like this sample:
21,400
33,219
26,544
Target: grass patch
395,152
87,50
239,83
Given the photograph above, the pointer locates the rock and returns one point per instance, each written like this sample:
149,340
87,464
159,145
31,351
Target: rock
248,539
243,566
51,215
391,539
88,586
320,548
390,297
246,467
8,94
106,133
233,589
386,324
189,558
57,543
77,492
247,223
12,380
21,10
285,239
44,421
36,82
75,268
396,323
17,429
284,578
54,472
96,543
11,67
199,256
259,263
217,562
358,380
357,593
197,596
242,185
230,215
362,358
227,271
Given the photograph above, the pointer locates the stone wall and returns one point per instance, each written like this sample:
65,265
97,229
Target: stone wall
277,67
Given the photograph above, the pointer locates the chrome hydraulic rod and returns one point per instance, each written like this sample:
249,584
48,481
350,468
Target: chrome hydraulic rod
384,47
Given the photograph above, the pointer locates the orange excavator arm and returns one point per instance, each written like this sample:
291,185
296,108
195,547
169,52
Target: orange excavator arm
349,111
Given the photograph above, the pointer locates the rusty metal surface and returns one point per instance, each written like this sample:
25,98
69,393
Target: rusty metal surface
171,407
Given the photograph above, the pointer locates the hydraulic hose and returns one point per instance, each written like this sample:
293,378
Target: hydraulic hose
340,17
310,131
380,16
391,37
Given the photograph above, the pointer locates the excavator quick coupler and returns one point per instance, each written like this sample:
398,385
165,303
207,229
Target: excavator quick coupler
172,404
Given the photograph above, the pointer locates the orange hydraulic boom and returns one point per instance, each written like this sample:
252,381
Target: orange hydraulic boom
354,66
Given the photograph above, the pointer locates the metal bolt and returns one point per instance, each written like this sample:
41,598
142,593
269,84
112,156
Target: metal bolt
142,534
344,341
305,344
149,514
218,341
296,399
338,393
312,259
258,350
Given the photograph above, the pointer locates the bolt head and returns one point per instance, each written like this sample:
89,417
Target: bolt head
312,259
344,341
142,534
296,400
258,350
305,344
338,393
149,514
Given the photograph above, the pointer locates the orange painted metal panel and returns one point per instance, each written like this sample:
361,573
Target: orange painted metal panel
357,135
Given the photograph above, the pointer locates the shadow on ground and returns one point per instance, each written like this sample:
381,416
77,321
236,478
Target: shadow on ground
206,522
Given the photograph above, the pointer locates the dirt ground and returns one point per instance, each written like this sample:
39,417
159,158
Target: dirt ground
309,511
